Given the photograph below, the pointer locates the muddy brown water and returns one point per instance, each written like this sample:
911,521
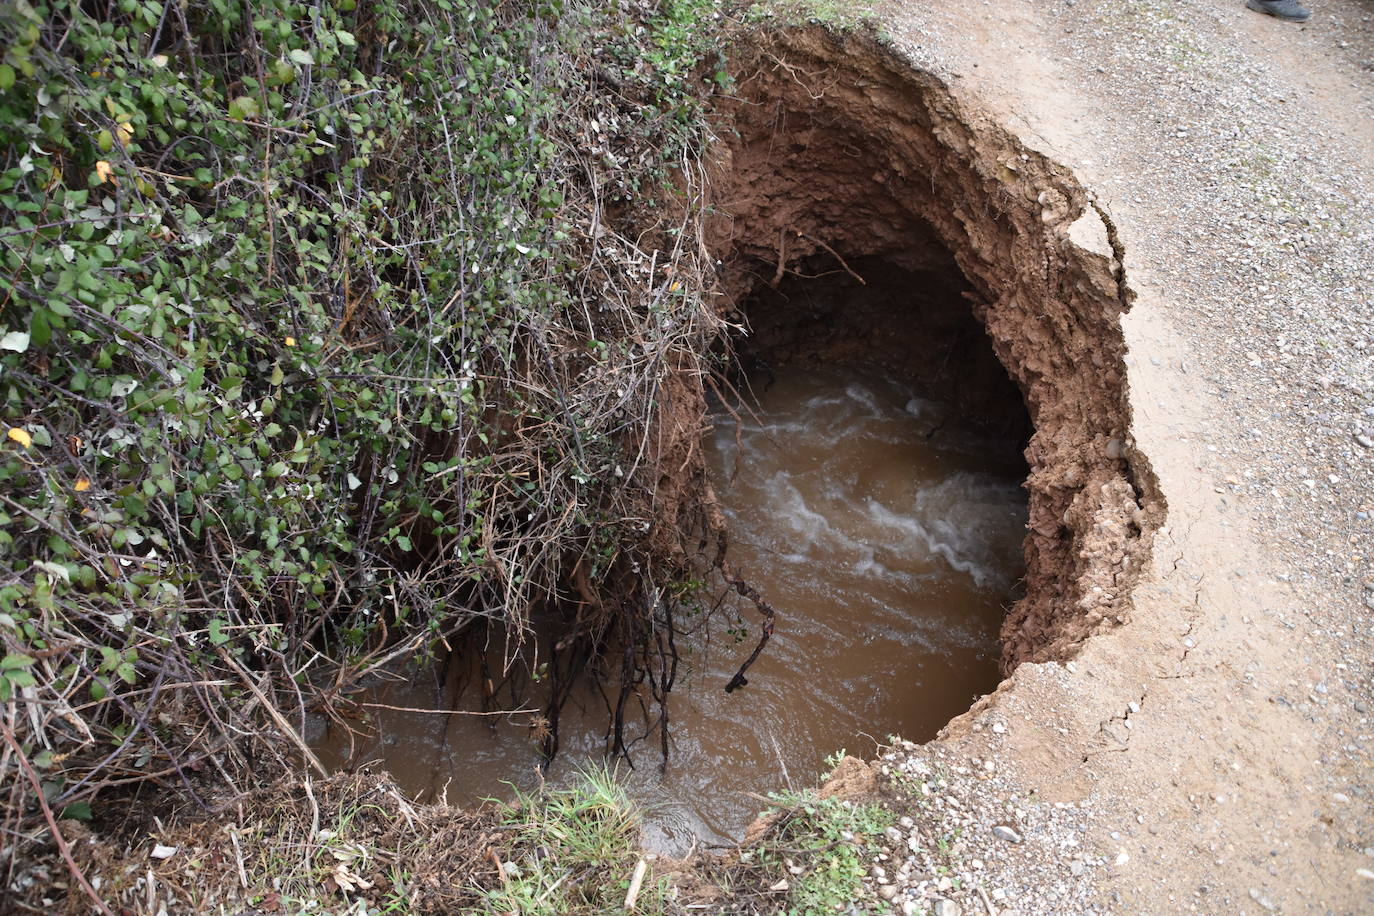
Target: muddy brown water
887,534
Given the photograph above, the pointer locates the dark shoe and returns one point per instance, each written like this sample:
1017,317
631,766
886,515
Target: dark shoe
1287,10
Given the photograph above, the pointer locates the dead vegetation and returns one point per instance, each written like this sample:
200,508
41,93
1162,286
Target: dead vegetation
289,847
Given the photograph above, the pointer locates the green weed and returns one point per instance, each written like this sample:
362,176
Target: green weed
580,852
838,14
829,840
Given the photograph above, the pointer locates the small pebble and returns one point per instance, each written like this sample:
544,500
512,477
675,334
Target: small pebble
1003,832
945,907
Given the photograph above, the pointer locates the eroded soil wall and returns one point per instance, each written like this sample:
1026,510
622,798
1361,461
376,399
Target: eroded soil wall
843,164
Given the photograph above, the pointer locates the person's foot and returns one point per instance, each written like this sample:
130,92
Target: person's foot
1287,10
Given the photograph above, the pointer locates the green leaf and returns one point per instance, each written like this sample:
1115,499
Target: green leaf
54,570
302,57
243,107
14,660
40,331
76,811
217,635
345,38
6,76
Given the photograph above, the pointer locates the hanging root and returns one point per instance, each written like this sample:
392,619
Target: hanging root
769,616
716,521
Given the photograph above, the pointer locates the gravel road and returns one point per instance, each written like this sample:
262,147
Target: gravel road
1213,755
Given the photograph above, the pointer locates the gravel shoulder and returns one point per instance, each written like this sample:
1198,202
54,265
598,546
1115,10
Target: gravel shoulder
1213,754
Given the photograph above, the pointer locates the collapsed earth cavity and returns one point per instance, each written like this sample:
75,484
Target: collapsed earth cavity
878,244
934,233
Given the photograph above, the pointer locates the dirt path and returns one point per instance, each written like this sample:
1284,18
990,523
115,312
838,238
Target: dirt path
1216,749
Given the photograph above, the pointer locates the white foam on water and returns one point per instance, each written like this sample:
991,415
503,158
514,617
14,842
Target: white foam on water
918,408
864,396
967,520
979,519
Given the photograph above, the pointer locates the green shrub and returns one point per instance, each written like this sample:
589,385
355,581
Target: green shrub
319,335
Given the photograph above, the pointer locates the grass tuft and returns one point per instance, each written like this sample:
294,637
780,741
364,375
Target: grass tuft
577,852
811,856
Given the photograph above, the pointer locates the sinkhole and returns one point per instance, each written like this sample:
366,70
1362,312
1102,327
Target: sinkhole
921,456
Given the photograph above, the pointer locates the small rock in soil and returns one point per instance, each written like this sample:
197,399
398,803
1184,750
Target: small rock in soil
1003,832
946,907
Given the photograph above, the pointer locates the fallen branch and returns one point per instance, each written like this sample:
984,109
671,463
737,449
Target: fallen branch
636,882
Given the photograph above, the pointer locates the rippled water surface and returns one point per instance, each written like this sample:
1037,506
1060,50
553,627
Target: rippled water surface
888,537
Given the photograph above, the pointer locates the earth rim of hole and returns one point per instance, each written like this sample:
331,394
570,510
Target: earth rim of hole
836,149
